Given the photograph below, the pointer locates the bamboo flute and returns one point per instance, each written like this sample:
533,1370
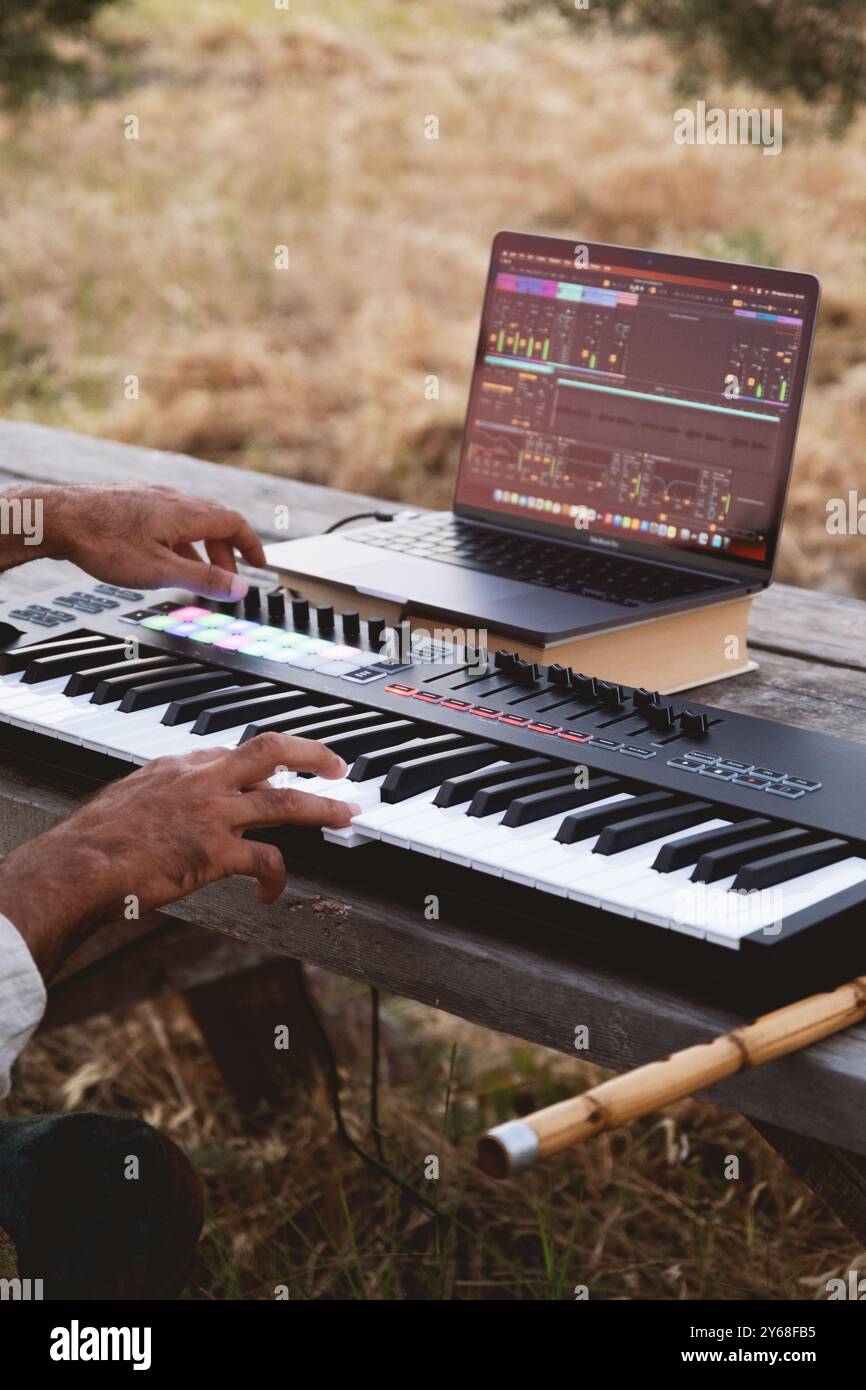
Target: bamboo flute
516,1145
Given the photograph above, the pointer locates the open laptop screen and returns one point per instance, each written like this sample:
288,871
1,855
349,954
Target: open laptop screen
631,399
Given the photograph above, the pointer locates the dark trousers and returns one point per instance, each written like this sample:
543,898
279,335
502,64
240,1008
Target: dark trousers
98,1206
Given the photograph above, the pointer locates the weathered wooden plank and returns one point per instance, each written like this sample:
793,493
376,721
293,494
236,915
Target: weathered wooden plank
829,700
810,624
36,453
114,936
541,996
169,959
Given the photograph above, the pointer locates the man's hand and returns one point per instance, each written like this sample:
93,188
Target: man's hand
164,831
128,533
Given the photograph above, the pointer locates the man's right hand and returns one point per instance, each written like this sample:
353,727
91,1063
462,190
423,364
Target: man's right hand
164,831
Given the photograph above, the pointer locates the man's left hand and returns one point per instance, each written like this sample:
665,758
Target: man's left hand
129,533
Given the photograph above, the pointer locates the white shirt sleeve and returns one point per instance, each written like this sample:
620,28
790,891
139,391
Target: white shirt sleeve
22,998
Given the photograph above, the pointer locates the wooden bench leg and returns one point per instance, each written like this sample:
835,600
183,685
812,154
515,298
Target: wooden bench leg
836,1176
243,1017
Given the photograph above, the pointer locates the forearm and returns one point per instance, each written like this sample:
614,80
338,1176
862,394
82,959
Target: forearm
31,524
55,892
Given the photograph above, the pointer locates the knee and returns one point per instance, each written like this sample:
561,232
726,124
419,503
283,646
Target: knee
98,1205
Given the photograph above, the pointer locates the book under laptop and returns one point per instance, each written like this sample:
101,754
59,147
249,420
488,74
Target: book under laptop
627,449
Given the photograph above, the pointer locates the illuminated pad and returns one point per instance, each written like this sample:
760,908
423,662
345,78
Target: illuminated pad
188,614
258,648
249,638
215,620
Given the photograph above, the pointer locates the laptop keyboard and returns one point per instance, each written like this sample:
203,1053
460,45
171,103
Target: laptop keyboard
592,574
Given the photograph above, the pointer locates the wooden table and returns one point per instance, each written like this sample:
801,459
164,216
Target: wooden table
812,653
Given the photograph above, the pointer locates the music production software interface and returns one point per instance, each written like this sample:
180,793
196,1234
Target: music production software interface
633,404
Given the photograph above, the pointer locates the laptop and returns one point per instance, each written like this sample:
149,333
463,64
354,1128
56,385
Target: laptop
627,449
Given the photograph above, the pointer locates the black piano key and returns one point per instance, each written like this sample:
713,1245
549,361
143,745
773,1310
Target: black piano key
464,787
211,721
47,668
20,657
791,864
287,723
583,825
318,728
720,863
172,688
367,740
88,679
419,774
639,830
490,800
525,810
370,765
680,853
115,687
184,711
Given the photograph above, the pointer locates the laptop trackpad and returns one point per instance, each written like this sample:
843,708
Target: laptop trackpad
445,585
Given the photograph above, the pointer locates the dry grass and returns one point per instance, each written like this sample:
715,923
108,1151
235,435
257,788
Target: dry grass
642,1214
261,128
155,257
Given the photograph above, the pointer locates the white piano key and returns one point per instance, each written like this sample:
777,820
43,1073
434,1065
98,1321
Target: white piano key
638,881
364,794
819,885
527,859
491,835
449,828
385,820
713,911
462,850
512,855
657,893
165,742
14,694
426,827
110,717
348,837
586,876
48,717
510,852
29,699
122,731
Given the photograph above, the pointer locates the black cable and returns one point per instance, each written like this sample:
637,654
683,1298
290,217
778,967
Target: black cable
359,516
336,1108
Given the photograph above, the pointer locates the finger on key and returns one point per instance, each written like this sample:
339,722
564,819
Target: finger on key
260,757
286,806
